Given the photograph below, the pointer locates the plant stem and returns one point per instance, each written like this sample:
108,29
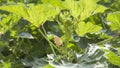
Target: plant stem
51,44
104,41
48,41
47,38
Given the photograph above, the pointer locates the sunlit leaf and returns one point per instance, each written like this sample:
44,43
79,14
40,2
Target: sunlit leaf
6,64
73,46
8,22
84,8
83,28
112,58
56,3
35,14
100,9
48,66
114,20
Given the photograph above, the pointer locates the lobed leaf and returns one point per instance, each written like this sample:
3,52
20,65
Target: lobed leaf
56,3
84,8
35,14
83,28
114,20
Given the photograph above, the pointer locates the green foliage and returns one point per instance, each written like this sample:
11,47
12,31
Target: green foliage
83,28
83,9
31,12
59,34
113,18
48,66
56,3
6,64
2,44
111,56
8,22
115,5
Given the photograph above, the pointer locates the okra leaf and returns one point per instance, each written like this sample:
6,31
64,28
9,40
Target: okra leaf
113,20
112,58
35,14
83,28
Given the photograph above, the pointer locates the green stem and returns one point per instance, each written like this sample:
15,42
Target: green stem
51,44
44,30
104,41
64,48
48,41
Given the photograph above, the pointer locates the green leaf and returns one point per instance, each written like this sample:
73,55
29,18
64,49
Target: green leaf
92,58
119,50
56,3
112,58
48,66
84,8
100,9
73,46
81,9
35,14
6,64
50,36
8,22
3,44
3,24
114,20
36,62
83,28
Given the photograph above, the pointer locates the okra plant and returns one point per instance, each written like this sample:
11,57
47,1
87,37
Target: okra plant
59,33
